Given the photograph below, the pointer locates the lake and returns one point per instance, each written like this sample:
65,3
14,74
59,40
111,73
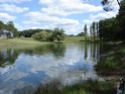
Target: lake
25,69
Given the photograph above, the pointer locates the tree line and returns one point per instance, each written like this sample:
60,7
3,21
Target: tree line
112,29
37,34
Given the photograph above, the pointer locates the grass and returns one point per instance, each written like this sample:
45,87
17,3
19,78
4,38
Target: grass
20,43
87,87
29,42
113,62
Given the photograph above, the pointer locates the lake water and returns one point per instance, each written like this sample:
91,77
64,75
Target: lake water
25,69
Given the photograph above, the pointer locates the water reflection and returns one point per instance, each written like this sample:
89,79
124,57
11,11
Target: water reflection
22,70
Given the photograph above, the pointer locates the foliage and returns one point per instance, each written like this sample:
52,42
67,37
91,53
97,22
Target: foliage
113,29
87,87
109,30
42,36
30,32
94,30
86,33
112,62
58,34
10,27
81,34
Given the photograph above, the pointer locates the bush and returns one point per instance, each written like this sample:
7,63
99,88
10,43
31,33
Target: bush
42,36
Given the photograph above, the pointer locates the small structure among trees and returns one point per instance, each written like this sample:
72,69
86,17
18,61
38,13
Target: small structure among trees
6,34
8,30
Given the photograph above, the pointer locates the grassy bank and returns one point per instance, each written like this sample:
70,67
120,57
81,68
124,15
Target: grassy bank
114,62
20,43
29,42
87,87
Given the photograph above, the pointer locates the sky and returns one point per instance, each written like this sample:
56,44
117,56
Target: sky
71,15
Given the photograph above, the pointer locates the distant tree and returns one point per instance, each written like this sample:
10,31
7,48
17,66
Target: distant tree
81,34
91,31
41,36
10,27
94,30
1,25
86,33
71,35
58,34
97,29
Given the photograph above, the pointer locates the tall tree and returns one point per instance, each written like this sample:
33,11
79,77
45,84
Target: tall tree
121,19
58,34
97,29
10,26
86,33
91,35
1,25
94,30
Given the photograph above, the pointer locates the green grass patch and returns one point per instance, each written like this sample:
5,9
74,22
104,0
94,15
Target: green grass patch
87,87
20,43
113,62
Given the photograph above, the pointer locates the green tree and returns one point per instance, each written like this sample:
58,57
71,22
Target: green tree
121,20
91,35
1,25
97,29
81,34
58,34
41,36
10,26
86,33
94,30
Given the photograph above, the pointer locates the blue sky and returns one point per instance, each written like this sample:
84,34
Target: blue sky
71,15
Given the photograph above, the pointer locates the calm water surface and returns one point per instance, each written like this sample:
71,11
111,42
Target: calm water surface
24,69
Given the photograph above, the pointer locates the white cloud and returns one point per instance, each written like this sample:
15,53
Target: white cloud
40,20
67,7
6,17
13,1
18,26
100,16
12,8
50,22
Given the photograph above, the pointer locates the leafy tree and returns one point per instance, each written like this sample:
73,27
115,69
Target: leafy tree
10,26
94,30
58,34
91,31
121,20
81,34
30,32
85,30
41,36
97,29
1,25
